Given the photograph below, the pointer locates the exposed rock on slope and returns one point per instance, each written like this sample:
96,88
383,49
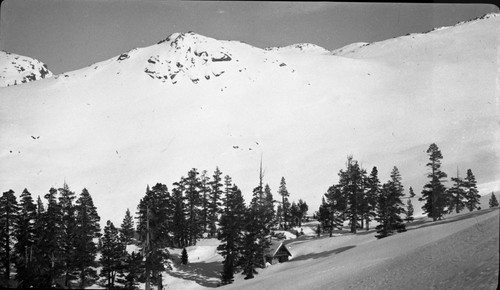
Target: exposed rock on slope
16,69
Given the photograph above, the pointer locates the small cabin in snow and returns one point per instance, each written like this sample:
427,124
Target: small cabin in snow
277,253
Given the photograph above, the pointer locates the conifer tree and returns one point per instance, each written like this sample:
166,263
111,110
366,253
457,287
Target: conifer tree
153,228
184,257
456,195
391,206
493,202
8,217
434,193
372,192
205,199
112,254
471,193
332,209
193,185
68,235
268,204
133,267
231,231
25,237
47,247
87,229
215,203
284,202
179,215
411,192
409,211
352,186
303,208
127,229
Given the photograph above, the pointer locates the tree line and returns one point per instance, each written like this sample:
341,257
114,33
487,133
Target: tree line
59,242
359,198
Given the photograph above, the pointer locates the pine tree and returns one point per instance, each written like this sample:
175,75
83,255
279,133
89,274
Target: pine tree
231,231
391,207
68,235
154,217
471,193
303,208
193,185
268,204
25,236
409,211
127,229
112,254
179,215
434,193
9,211
87,230
284,201
332,209
205,199
133,267
215,203
372,193
352,186
47,247
493,202
184,257
456,195
411,192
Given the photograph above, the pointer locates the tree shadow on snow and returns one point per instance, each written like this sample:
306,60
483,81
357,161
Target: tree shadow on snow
205,274
427,222
322,254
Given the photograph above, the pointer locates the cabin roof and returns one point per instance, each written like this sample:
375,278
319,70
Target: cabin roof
275,247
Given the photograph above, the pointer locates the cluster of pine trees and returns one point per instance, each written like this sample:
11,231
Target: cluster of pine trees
56,243
360,198
49,244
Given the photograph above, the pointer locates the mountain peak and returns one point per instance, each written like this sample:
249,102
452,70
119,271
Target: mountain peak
17,69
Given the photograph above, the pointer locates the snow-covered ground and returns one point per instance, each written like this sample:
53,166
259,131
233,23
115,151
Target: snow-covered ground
460,252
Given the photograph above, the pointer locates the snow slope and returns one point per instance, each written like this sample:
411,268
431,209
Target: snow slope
17,69
460,252
153,113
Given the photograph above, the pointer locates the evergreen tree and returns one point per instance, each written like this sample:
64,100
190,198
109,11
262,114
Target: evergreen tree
268,205
372,193
409,211
193,185
87,230
133,267
284,202
179,215
205,199
303,208
332,209
294,214
471,193
47,247
68,234
153,228
493,200
411,192
391,208
25,237
215,201
127,229
434,193
8,216
352,187
112,254
231,231
184,257
456,195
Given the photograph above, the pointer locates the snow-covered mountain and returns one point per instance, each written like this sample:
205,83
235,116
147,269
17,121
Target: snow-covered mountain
17,69
153,113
